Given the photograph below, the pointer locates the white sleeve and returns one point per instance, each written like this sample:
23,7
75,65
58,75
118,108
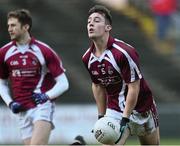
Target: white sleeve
60,87
5,92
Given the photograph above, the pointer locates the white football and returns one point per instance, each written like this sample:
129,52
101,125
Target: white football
107,130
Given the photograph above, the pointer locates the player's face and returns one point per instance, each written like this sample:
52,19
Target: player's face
96,25
15,29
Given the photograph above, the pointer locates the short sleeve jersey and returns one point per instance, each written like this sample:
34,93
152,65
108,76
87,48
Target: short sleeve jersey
29,69
114,69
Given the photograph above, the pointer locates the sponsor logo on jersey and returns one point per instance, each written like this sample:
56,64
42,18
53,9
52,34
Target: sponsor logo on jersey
95,73
101,65
109,80
110,70
23,56
16,73
14,62
34,62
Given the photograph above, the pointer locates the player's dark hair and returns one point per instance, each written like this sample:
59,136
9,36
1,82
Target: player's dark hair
102,10
23,16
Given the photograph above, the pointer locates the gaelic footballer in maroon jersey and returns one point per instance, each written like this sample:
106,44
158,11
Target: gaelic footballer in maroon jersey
118,86
108,71
31,68
36,78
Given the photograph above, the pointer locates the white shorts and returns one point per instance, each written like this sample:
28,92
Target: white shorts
43,111
140,124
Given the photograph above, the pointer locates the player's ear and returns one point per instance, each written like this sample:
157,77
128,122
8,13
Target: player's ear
26,27
108,28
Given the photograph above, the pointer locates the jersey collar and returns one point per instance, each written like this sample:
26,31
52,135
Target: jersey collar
32,41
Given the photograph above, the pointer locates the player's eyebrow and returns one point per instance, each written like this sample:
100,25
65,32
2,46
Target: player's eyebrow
97,17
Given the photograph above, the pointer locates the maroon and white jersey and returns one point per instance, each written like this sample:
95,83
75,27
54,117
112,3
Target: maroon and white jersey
114,69
30,68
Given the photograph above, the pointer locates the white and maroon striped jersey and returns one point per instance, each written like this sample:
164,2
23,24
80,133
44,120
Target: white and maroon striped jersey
114,69
30,68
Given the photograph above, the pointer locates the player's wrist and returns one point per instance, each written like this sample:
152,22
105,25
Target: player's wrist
124,121
47,96
100,116
10,104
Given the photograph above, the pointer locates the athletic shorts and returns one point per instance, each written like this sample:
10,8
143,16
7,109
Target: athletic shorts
43,112
140,124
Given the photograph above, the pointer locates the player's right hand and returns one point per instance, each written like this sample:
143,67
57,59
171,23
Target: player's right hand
15,107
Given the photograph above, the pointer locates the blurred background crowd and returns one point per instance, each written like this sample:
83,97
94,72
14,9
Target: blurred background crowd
151,26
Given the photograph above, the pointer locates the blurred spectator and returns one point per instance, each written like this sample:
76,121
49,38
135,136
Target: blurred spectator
163,11
176,29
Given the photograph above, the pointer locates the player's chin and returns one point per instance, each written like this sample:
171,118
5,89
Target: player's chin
12,37
91,36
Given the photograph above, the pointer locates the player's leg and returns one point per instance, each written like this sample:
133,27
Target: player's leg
29,125
41,132
27,141
42,123
25,125
148,132
150,139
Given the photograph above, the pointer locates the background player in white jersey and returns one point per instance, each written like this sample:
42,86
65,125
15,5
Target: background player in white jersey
119,88
36,77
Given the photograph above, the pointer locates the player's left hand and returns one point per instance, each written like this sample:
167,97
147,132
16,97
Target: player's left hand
124,131
40,98
123,126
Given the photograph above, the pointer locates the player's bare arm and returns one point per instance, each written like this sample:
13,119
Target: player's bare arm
131,99
99,93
